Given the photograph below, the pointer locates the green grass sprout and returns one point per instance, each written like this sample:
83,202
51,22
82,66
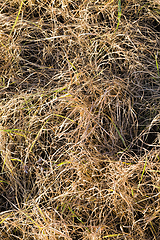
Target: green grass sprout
77,217
142,173
119,14
20,8
157,64
118,131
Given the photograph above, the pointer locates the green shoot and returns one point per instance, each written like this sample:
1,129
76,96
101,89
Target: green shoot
6,218
20,8
157,64
112,235
119,14
118,131
77,217
142,173
38,134
63,163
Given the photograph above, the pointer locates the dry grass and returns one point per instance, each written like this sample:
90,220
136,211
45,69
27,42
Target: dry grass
79,119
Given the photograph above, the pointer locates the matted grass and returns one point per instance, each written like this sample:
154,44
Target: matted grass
79,119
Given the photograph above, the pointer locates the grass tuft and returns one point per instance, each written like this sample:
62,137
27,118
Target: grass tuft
79,119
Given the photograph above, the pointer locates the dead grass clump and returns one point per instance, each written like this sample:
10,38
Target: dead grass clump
79,120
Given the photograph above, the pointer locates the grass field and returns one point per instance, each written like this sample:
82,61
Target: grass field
79,119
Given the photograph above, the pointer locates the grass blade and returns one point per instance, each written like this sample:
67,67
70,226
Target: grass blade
142,173
157,64
119,14
118,131
20,8
5,218
77,217
38,134
112,235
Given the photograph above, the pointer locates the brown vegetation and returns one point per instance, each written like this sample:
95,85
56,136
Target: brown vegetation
79,119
